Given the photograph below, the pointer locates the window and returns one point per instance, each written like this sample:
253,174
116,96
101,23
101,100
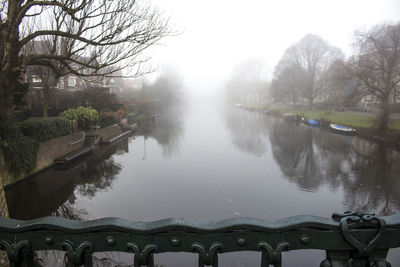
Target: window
36,79
72,81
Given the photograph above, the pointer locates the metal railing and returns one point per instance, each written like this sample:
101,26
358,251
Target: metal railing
349,239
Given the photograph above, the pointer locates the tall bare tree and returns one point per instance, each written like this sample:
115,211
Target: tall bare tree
48,80
376,66
308,60
248,84
286,84
100,34
49,76
167,88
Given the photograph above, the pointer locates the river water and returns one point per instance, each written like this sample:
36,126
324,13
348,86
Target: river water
209,163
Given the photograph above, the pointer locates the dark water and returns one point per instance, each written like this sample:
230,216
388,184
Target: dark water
214,163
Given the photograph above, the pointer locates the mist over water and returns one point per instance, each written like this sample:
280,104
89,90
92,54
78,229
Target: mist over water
215,37
205,148
210,162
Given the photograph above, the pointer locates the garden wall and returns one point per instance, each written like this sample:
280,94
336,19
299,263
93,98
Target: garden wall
57,147
46,153
109,132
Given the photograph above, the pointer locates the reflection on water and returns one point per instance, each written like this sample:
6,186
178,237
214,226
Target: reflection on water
168,131
53,191
311,158
247,131
209,167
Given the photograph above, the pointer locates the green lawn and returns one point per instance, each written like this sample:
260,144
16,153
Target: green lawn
345,118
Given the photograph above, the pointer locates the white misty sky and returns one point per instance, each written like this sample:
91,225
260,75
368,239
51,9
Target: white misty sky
219,34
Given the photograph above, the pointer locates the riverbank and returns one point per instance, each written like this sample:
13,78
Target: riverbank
65,149
362,122
348,118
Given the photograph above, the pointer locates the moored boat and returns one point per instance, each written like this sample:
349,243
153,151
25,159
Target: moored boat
312,122
342,129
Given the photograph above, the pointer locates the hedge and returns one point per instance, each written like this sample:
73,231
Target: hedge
19,150
107,121
42,129
83,115
132,108
137,118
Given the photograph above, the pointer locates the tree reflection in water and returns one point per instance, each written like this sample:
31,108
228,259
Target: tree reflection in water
99,177
52,191
167,131
376,185
366,171
247,131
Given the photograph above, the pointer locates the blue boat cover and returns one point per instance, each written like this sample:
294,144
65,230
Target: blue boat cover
312,122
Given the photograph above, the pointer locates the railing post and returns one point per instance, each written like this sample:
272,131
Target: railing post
338,259
77,256
271,256
19,254
142,257
208,257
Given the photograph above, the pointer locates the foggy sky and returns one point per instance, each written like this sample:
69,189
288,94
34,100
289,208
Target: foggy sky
219,34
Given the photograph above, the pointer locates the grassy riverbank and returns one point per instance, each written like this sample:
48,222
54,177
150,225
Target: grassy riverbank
354,119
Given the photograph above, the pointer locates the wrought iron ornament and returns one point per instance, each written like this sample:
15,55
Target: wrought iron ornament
349,239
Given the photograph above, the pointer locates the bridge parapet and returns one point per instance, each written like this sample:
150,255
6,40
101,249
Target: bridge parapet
349,239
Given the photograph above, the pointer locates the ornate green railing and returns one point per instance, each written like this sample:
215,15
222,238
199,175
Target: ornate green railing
349,239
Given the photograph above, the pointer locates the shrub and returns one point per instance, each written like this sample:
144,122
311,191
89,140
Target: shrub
83,115
107,121
139,119
42,129
19,115
19,150
8,131
132,108
132,118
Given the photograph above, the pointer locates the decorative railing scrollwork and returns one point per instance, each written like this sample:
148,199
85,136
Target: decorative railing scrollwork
349,239
208,256
144,256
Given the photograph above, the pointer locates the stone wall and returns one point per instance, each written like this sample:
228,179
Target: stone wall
109,132
57,147
47,152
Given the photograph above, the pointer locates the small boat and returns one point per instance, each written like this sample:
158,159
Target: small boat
342,129
312,122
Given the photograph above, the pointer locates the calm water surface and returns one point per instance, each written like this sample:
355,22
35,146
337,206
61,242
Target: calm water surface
214,163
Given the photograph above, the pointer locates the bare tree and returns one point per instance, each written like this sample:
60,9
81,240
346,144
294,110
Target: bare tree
341,83
100,34
376,66
308,60
49,76
247,83
286,85
49,81
167,88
